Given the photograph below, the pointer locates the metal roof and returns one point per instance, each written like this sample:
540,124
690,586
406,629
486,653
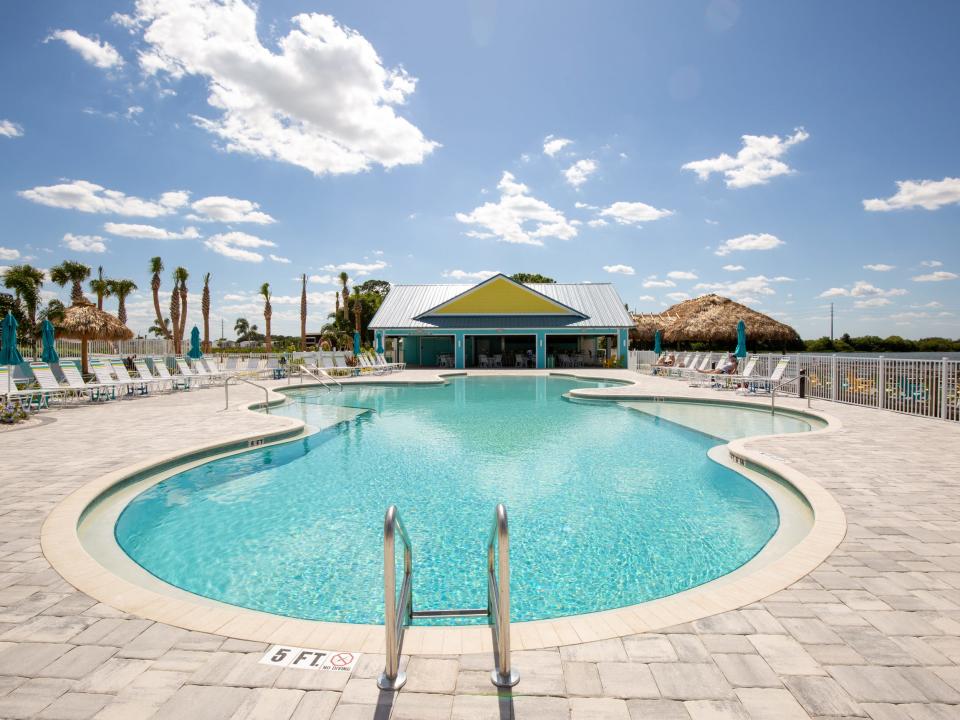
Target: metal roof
598,301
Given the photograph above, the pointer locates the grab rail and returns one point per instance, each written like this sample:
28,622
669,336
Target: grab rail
320,374
396,616
226,392
498,597
773,390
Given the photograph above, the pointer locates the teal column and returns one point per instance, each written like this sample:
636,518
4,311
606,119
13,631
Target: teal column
458,350
622,355
541,350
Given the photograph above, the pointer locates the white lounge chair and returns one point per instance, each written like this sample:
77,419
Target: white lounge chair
193,377
145,373
139,384
12,394
50,387
723,382
104,374
395,365
201,368
230,366
75,381
160,368
764,385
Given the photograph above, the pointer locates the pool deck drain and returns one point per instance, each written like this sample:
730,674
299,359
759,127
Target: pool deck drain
874,631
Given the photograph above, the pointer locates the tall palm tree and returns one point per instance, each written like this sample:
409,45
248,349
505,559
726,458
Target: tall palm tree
72,272
180,276
303,313
175,313
100,286
205,309
241,327
121,289
161,329
26,281
344,279
156,267
267,313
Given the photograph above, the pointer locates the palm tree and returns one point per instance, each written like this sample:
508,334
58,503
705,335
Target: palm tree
241,327
205,309
26,281
357,308
267,313
120,289
161,330
303,313
156,267
344,279
53,312
175,313
180,276
100,286
73,272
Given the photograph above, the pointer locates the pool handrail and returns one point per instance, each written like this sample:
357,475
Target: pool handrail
498,598
317,373
226,392
396,618
800,379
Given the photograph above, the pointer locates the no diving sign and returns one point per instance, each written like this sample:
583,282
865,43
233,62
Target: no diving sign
309,659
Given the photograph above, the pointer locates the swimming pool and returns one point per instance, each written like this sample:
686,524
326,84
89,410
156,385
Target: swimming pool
608,506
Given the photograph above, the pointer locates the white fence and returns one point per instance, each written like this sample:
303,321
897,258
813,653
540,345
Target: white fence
71,348
928,388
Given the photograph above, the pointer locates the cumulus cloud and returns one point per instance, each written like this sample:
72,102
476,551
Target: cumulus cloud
756,163
99,54
578,173
599,222
678,296
9,253
552,145
681,275
322,279
872,302
465,275
359,269
879,267
938,276
237,246
747,289
646,298
149,232
751,241
511,217
634,213
220,208
653,282
927,194
619,269
862,288
323,101
84,243
89,197
733,268
931,263
10,129
279,259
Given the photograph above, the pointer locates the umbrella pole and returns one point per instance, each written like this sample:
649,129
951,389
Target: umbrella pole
83,354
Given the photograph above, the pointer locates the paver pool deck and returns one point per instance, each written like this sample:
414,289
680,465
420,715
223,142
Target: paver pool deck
874,631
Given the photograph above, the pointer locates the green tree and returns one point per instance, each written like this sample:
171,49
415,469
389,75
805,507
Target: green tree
267,313
26,281
120,289
100,286
379,287
205,311
241,327
74,273
156,267
531,278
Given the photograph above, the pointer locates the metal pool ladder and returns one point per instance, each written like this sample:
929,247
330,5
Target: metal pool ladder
398,613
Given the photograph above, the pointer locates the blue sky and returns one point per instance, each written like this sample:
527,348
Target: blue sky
770,152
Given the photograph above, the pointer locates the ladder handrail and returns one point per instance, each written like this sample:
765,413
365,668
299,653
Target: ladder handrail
226,392
318,373
498,597
396,618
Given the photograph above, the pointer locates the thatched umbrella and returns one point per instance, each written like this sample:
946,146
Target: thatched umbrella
82,321
712,320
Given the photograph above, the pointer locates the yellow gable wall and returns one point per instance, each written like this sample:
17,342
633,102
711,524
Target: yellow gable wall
502,297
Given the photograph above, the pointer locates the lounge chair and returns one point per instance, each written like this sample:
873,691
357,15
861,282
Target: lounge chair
160,368
723,382
396,365
193,377
139,384
251,368
201,368
50,387
75,381
230,366
694,368
145,373
104,374
765,385
271,370
14,395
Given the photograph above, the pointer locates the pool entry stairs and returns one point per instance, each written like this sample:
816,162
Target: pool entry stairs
399,612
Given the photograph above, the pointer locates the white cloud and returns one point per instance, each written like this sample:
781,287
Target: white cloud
938,276
84,243
634,213
599,222
751,241
733,268
324,101
99,54
861,288
584,206
464,275
279,259
235,245
927,194
322,279
931,263
872,302
578,173
646,298
621,269
708,221
755,164
681,275
9,253
92,198
359,269
879,267
220,208
747,289
678,296
506,218
552,145
150,232
10,129
653,282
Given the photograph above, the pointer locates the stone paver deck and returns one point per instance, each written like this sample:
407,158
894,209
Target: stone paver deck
873,632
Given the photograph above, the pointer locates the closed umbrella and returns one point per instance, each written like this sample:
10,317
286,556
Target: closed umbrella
195,343
741,351
49,354
656,343
356,343
9,355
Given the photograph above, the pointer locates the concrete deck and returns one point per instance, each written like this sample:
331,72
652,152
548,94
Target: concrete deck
873,632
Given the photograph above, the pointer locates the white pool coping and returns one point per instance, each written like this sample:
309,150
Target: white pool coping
780,564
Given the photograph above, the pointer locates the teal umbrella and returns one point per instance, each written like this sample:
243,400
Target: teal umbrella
195,343
379,342
741,351
656,343
356,343
49,354
9,355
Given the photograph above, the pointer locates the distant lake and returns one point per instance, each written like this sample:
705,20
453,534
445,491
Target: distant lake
904,355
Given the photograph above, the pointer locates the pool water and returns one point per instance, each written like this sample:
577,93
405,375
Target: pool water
607,506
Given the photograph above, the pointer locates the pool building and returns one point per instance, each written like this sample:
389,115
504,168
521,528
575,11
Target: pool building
503,323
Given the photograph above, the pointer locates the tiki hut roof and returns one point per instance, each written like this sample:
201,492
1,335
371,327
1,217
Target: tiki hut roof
712,319
84,321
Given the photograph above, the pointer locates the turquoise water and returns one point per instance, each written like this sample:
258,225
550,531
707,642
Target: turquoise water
607,506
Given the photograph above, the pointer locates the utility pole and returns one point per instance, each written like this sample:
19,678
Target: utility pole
831,322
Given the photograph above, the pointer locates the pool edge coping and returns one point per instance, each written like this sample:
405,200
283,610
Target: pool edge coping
62,547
